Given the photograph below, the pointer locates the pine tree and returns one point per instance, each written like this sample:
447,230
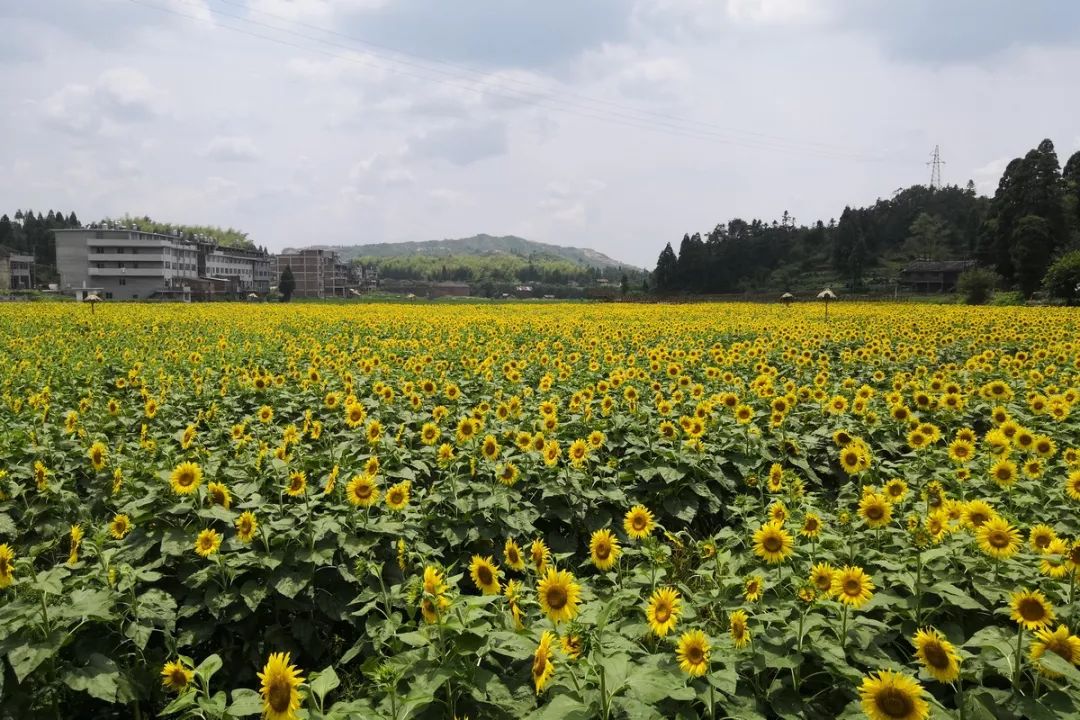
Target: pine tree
287,284
666,270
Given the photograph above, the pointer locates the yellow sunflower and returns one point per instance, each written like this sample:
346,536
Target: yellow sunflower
663,611
280,683
1003,472
937,655
811,527
998,539
246,526
175,676
1031,609
876,510
512,555
362,491
120,526
99,455
896,490
888,695
740,633
542,666
485,575
638,522
186,478
772,543
604,549
693,653
297,484
397,495
540,555
821,576
207,543
1054,560
753,587
219,494
1060,641
1072,484
1040,537
559,595
7,565
852,586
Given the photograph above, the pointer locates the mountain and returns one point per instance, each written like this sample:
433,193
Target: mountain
483,245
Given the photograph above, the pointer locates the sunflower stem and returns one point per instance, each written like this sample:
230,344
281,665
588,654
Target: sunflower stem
1019,645
918,586
843,630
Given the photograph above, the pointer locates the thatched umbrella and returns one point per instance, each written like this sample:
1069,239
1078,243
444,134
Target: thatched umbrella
787,298
252,296
93,299
826,295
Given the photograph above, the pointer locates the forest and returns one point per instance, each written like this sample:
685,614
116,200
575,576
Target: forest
1033,218
497,268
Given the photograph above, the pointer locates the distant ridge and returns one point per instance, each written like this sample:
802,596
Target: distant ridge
478,245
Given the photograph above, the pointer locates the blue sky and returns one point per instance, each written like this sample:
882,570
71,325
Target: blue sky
612,124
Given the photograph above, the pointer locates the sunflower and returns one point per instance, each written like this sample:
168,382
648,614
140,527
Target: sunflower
507,474
937,524
889,695
558,594
851,459
740,633
821,576
604,549
219,494
99,455
466,429
811,527
490,448
207,543
743,414
772,543
638,522
397,496
753,587
876,509
246,526
75,540
120,526
362,491
542,666
896,490
1072,485
1060,641
429,433
693,653
852,586
280,680
775,482
1031,609
265,414
176,676
1040,537
512,555
998,539
485,575
977,512
355,415
571,646
540,555
7,565
937,655
186,478
297,484
434,600
1003,472
663,611
778,512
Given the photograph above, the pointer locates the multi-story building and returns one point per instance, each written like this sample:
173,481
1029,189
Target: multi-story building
317,272
16,270
130,264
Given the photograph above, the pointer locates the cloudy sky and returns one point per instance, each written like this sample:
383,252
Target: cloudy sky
611,124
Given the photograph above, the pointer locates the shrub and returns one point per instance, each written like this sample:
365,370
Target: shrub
976,284
1062,278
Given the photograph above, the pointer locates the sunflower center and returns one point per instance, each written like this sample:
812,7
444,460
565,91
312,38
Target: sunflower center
875,512
1060,648
1031,610
539,665
662,613
1042,541
894,703
811,525
556,598
823,582
998,539
639,522
603,551
484,573
936,656
185,478
395,497
772,544
280,695
695,655
852,587
978,519
178,679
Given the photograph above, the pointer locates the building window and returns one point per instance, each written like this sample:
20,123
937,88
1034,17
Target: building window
108,296
123,281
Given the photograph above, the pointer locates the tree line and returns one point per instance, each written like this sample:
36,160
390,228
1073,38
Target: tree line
495,268
31,233
1032,219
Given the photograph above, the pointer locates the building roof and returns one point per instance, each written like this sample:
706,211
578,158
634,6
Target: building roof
938,266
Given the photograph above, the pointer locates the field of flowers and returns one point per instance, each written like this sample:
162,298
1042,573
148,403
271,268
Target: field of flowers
539,511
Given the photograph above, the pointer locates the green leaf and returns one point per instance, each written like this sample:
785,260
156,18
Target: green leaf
26,658
98,678
245,702
561,707
209,666
51,581
323,682
1055,663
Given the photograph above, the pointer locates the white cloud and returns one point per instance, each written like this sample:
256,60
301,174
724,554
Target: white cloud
231,149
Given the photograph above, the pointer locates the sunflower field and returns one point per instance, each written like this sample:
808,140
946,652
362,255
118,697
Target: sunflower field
539,511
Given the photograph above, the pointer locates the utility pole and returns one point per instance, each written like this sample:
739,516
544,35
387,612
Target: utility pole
935,168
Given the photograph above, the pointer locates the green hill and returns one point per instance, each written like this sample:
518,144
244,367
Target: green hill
482,245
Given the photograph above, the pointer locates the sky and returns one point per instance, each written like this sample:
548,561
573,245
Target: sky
617,125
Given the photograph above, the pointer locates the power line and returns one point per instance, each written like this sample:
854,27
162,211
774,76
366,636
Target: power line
935,168
550,101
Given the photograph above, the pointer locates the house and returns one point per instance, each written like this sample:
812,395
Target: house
318,273
928,276
16,270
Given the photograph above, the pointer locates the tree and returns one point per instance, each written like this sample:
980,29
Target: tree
624,284
1063,278
666,270
7,234
975,285
929,237
287,284
1032,245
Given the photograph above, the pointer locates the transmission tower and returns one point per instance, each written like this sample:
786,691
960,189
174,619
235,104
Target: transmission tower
935,168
